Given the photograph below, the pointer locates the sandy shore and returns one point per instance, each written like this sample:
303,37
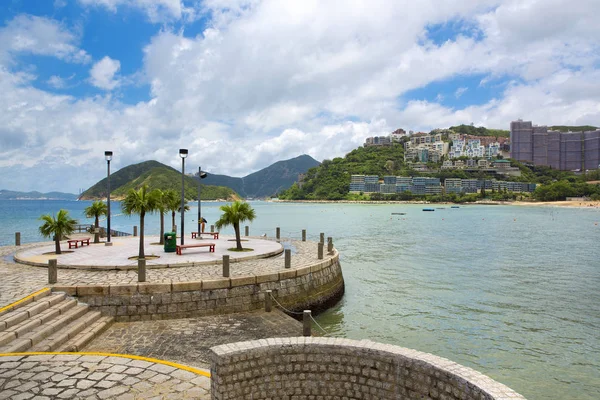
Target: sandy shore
583,204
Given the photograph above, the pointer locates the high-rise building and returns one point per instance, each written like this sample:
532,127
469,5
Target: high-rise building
559,150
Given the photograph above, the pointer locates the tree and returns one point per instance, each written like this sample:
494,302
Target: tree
233,214
161,207
172,201
57,228
96,210
389,166
139,202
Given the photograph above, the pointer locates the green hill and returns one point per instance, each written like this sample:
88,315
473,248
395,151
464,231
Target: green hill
12,195
479,131
156,176
268,181
331,179
566,128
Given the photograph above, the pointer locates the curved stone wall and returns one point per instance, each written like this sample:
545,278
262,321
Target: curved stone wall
311,287
326,368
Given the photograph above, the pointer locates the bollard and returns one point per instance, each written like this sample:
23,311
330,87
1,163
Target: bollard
17,238
135,231
322,238
247,230
288,258
52,271
142,270
212,228
306,323
225,266
268,301
320,251
304,235
329,244
277,233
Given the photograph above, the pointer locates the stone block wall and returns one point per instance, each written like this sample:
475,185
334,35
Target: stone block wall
310,287
306,368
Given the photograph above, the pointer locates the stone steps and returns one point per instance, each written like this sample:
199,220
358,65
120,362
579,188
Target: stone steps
51,322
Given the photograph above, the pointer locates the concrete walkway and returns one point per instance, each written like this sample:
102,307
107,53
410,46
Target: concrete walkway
96,376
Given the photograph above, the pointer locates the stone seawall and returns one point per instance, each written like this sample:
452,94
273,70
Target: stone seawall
326,368
311,287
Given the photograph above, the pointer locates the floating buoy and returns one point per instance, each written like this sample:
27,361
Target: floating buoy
514,219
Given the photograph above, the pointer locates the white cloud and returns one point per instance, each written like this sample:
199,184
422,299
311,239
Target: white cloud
460,91
156,10
103,73
40,36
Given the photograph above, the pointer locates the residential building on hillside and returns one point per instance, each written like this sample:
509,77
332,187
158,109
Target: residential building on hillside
422,186
559,150
378,141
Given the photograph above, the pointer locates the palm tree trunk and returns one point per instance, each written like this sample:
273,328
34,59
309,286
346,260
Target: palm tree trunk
238,240
57,244
96,227
141,254
172,221
162,228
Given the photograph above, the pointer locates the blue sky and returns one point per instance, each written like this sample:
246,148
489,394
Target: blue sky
245,83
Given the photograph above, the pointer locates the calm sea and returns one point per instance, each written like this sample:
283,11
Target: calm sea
510,291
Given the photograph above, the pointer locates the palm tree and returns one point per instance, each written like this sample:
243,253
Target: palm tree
139,202
161,207
57,228
233,214
172,201
96,210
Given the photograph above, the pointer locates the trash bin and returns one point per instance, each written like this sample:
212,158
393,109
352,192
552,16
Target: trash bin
170,242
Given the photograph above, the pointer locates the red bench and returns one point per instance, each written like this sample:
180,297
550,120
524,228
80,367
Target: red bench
215,235
76,242
211,247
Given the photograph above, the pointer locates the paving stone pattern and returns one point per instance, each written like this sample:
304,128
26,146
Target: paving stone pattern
96,378
188,341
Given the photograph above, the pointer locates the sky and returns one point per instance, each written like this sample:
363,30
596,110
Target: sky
245,83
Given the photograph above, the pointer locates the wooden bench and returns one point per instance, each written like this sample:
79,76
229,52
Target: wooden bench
211,247
76,242
215,235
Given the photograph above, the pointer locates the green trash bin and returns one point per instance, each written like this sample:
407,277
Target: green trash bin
170,242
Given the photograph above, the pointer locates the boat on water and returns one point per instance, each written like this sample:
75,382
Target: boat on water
455,207
428,209
398,213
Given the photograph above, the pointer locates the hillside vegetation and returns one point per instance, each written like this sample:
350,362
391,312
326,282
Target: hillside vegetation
156,176
565,128
479,131
330,180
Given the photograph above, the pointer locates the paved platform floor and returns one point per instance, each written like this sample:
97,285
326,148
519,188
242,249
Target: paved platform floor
117,256
20,280
93,377
187,341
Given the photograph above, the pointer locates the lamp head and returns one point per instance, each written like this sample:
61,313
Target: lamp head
108,155
183,153
202,174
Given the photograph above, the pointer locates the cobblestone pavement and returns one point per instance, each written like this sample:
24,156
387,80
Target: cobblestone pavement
19,280
76,376
187,340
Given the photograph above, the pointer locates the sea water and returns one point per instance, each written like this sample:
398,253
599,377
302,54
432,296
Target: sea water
509,291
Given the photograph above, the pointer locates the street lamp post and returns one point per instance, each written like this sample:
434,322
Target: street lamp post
108,157
201,175
183,154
